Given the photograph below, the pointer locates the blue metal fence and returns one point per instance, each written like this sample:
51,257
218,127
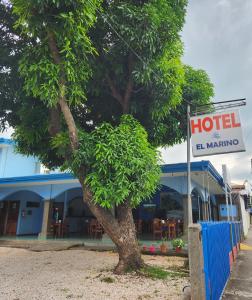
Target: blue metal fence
220,242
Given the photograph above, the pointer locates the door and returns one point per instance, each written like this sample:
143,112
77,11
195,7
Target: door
12,217
3,215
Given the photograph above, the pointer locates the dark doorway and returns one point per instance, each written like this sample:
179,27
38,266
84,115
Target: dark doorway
9,212
3,214
59,206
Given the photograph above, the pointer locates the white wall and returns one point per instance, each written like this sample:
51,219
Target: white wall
13,164
245,216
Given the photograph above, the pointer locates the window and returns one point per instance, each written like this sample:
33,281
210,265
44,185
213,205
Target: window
197,206
77,208
171,201
32,204
171,205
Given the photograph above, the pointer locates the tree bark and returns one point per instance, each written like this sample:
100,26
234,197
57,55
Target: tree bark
123,100
121,231
129,251
54,126
129,87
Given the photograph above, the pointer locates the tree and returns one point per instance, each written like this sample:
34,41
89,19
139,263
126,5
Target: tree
95,77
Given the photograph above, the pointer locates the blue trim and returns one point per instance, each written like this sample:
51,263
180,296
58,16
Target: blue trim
204,165
37,178
4,141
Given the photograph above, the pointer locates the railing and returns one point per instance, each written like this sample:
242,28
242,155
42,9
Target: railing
221,243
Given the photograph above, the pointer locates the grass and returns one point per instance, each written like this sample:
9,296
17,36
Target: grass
65,290
154,272
108,279
159,273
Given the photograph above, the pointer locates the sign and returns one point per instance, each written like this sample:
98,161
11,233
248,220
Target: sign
216,133
232,210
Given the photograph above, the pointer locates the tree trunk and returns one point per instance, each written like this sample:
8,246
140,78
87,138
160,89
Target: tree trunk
121,231
129,256
128,248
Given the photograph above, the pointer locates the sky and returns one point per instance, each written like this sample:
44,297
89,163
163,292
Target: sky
218,38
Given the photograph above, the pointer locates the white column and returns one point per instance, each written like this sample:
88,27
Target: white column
46,221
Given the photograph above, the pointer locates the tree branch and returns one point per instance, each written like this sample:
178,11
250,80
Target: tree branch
104,216
54,126
73,133
129,87
115,92
123,100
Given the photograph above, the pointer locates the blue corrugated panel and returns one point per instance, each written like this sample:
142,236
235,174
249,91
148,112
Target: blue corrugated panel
236,232
216,250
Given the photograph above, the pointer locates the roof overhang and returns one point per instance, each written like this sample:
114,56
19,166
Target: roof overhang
5,142
42,179
203,173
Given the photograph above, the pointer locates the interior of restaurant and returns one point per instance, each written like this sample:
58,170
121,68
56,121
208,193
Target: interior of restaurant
160,217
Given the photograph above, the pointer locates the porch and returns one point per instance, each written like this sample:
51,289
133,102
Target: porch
51,206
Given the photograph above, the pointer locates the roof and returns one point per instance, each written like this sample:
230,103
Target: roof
238,186
197,166
41,178
4,141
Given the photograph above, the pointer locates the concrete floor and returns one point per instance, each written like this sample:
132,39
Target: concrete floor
34,244
240,283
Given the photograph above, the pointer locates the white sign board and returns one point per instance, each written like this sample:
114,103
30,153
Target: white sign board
216,133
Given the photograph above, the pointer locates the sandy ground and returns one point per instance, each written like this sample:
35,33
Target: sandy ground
80,274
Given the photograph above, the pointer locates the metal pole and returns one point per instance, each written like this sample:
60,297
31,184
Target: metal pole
209,207
227,205
189,200
231,205
199,207
65,205
209,200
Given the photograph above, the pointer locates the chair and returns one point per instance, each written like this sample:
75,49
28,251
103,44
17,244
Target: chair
92,227
98,230
65,228
171,229
55,230
157,229
180,225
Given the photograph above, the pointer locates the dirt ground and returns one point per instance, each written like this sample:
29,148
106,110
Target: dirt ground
81,274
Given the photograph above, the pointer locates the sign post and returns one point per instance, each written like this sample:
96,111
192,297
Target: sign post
227,185
189,199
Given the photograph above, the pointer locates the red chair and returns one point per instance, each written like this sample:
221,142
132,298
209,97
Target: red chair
65,228
157,229
92,227
98,230
171,229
